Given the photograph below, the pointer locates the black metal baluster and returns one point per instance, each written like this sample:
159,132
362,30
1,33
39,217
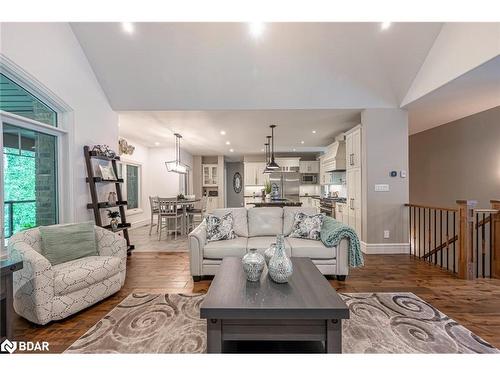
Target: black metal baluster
430,237
483,244
490,257
414,233
447,241
424,230
435,236
454,242
441,238
409,230
477,244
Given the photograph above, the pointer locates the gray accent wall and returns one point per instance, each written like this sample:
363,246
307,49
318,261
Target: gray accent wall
458,160
384,139
234,199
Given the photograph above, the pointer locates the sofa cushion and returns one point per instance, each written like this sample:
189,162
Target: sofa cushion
81,273
311,249
240,222
289,216
63,243
261,243
265,221
220,228
225,248
307,226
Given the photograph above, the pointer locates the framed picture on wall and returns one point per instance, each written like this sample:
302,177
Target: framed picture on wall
107,172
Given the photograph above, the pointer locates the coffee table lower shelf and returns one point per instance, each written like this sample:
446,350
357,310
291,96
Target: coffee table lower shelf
220,331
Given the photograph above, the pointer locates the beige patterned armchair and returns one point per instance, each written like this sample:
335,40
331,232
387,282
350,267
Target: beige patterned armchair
43,292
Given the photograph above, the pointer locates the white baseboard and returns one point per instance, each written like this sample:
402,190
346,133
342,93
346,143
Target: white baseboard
385,248
140,223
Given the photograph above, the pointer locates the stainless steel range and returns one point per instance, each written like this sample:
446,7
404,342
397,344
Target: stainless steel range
327,205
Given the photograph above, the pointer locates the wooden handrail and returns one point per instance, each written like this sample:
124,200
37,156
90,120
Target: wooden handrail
431,207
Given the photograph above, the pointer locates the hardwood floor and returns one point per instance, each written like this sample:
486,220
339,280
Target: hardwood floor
474,304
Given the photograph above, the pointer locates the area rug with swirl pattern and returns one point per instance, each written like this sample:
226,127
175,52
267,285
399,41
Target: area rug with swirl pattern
379,323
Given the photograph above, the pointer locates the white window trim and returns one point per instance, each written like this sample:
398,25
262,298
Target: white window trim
140,209
64,132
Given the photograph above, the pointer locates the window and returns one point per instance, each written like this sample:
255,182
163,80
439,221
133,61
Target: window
16,100
29,179
132,186
131,174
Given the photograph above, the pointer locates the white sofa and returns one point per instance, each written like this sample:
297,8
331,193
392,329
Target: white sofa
257,228
43,292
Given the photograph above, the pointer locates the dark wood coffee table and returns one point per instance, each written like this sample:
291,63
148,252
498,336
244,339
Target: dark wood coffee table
307,308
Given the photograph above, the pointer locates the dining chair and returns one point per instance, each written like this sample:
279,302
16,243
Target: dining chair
196,215
153,205
168,212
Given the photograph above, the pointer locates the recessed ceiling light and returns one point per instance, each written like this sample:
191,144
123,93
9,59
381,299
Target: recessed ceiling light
231,150
261,150
228,143
294,150
301,142
256,29
128,27
314,131
157,143
222,132
385,25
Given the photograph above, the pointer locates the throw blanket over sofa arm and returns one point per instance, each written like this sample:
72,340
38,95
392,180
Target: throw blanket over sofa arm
197,240
113,245
34,283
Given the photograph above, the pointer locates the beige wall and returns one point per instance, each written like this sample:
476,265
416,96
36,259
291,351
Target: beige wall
458,160
384,148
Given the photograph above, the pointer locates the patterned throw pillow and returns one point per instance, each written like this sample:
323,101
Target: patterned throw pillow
220,228
307,226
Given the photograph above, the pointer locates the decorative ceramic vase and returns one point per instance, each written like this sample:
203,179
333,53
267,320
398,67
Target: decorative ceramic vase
280,266
268,254
114,224
253,264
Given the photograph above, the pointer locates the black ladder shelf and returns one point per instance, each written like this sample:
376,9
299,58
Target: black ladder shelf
93,180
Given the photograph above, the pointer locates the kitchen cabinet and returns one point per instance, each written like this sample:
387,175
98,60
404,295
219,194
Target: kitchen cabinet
210,174
254,174
353,148
309,166
288,164
212,204
354,199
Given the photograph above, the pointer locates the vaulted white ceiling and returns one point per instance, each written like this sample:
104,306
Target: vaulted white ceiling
245,130
206,66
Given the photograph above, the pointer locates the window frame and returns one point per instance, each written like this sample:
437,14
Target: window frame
64,132
123,170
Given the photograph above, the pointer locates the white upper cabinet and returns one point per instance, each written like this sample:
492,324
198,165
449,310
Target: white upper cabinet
309,166
288,164
254,174
353,149
210,174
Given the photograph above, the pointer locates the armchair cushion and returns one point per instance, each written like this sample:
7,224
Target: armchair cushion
82,273
63,243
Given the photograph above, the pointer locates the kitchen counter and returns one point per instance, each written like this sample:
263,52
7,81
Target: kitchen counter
259,202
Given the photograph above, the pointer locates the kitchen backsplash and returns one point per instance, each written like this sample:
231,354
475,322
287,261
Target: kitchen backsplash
309,190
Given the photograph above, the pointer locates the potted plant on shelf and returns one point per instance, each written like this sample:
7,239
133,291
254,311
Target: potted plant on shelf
267,189
113,215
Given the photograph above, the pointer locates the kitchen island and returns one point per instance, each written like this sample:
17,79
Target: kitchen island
275,203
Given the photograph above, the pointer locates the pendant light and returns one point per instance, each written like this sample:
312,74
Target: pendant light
176,165
266,145
272,165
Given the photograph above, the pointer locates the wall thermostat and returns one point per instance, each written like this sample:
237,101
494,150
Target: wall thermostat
393,174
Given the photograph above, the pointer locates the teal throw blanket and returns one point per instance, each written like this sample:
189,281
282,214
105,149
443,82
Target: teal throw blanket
333,231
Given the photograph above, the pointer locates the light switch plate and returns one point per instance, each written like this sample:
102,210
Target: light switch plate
381,187
386,234
402,174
